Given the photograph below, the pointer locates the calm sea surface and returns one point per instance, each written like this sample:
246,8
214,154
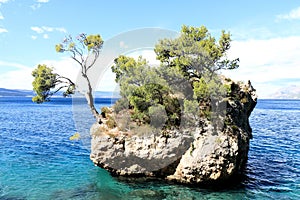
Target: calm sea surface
38,161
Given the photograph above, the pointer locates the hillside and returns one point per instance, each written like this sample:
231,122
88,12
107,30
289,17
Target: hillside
15,93
289,92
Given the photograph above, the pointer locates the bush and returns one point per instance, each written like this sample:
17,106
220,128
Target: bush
158,115
121,104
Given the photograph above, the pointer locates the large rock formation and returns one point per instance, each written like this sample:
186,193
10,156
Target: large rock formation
215,149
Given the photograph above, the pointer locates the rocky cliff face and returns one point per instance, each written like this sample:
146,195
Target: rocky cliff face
213,150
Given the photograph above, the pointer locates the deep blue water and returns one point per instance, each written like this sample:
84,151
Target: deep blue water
38,161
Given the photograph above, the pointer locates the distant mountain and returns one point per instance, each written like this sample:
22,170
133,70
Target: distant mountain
289,92
29,93
15,93
106,94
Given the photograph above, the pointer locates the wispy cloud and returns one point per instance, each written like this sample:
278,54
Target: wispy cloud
34,37
12,64
38,4
63,30
65,67
8,78
1,16
266,62
3,30
292,15
37,29
45,36
42,1
35,6
45,30
4,1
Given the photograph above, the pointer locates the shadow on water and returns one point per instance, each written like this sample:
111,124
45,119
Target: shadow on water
150,188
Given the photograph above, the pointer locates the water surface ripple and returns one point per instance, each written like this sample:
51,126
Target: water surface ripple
38,161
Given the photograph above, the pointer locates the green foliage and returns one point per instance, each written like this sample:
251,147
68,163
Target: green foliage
142,87
206,114
91,43
196,52
187,74
111,123
205,88
85,51
140,117
59,48
201,89
191,112
157,115
127,66
228,89
46,83
121,104
191,107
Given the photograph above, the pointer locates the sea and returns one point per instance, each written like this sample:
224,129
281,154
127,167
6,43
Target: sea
39,161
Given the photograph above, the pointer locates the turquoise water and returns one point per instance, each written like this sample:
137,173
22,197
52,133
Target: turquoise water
38,161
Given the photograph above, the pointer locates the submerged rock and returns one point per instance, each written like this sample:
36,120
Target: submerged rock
215,149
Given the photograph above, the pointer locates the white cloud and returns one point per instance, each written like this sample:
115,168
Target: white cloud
293,14
65,67
45,36
3,30
51,29
38,4
269,64
47,28
17,78
44,29
15,65
37,29
34,37
3,1
42,1
1,16
148,54
266,62
35,6
63,30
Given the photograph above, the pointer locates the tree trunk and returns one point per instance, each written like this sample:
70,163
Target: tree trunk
90,100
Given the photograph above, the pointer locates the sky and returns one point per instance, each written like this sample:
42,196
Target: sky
266,34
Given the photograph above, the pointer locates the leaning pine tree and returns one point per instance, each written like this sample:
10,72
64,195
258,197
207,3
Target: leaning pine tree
85,51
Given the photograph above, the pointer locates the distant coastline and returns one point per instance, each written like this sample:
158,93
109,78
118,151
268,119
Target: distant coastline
15,93
29,93
287,93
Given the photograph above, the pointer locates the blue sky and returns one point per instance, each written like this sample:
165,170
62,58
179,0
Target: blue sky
266,33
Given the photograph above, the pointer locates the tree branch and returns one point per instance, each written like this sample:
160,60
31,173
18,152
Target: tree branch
94,60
